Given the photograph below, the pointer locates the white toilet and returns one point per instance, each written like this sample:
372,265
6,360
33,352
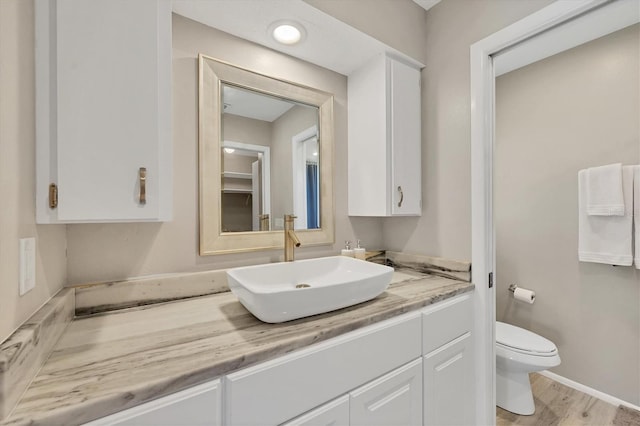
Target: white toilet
518,353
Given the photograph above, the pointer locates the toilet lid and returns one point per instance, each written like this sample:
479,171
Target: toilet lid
523,340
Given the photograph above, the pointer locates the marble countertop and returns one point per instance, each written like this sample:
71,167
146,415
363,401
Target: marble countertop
113,361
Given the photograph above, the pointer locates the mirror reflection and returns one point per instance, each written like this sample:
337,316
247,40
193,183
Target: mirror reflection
245,188
270,158
265,151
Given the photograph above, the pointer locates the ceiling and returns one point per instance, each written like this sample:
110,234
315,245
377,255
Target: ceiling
254,105
329,42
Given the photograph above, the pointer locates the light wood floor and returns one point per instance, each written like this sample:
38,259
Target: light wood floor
557,404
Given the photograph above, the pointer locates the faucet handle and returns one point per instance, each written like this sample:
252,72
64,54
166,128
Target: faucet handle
290,217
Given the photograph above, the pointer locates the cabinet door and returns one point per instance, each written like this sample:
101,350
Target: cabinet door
367,148
106,110
334,413
384,160
449,384
406,160
199,405
393,399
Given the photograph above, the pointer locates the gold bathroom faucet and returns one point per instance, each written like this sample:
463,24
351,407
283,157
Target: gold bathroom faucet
290,238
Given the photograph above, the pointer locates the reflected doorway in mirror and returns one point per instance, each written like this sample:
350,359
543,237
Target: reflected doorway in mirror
306,185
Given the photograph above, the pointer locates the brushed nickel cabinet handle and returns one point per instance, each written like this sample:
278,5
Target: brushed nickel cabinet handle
401,196
142,176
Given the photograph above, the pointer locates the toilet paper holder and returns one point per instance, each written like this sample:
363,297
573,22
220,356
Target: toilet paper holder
522,294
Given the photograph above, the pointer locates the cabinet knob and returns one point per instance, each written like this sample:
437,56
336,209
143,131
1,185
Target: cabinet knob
142,177
401,196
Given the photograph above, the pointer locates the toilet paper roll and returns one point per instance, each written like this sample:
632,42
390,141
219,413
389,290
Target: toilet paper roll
524,295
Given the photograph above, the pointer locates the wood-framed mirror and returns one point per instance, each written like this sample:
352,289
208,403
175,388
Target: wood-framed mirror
265,150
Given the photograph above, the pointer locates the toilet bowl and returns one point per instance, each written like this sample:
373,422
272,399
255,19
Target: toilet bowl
518,353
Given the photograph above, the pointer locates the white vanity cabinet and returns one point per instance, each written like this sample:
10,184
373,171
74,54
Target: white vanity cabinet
103,110
447,345
449,384
414,369
279,390
384,144
393,399
334,413
196,406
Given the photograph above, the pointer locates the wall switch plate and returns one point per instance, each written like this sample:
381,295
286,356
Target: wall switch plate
27,264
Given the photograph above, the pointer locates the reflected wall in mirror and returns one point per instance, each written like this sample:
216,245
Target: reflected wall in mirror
289,130
266,150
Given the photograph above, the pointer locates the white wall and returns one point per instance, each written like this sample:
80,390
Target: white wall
574,110
17,174
113,251
451,27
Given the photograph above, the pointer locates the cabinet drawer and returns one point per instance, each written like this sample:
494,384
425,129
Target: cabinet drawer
199,405
334,413
288,386
445,322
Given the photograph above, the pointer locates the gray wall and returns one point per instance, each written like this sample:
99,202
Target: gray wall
401,24
451,27
574,110
113,251
17,174
291,123
236,128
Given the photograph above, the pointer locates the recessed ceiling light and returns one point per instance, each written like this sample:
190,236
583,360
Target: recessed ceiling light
229,150
287,32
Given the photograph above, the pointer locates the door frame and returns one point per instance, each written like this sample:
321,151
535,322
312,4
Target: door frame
545,28
298,167
265,151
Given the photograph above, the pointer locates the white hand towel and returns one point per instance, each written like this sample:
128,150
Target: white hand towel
636,213
606,239
604,191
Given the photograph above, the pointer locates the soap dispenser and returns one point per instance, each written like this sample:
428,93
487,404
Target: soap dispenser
359,252
347,250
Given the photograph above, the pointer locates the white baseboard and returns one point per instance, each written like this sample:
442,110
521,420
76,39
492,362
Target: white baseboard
586,389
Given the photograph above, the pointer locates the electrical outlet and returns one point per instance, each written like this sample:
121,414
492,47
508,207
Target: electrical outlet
27,264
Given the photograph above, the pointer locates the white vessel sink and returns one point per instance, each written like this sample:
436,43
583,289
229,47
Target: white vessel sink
279,292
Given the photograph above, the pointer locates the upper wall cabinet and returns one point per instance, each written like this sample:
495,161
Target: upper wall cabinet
103,111
384,158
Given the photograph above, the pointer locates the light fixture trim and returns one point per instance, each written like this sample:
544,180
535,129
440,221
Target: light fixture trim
287,32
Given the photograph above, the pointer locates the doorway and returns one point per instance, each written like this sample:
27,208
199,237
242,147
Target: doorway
556,28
